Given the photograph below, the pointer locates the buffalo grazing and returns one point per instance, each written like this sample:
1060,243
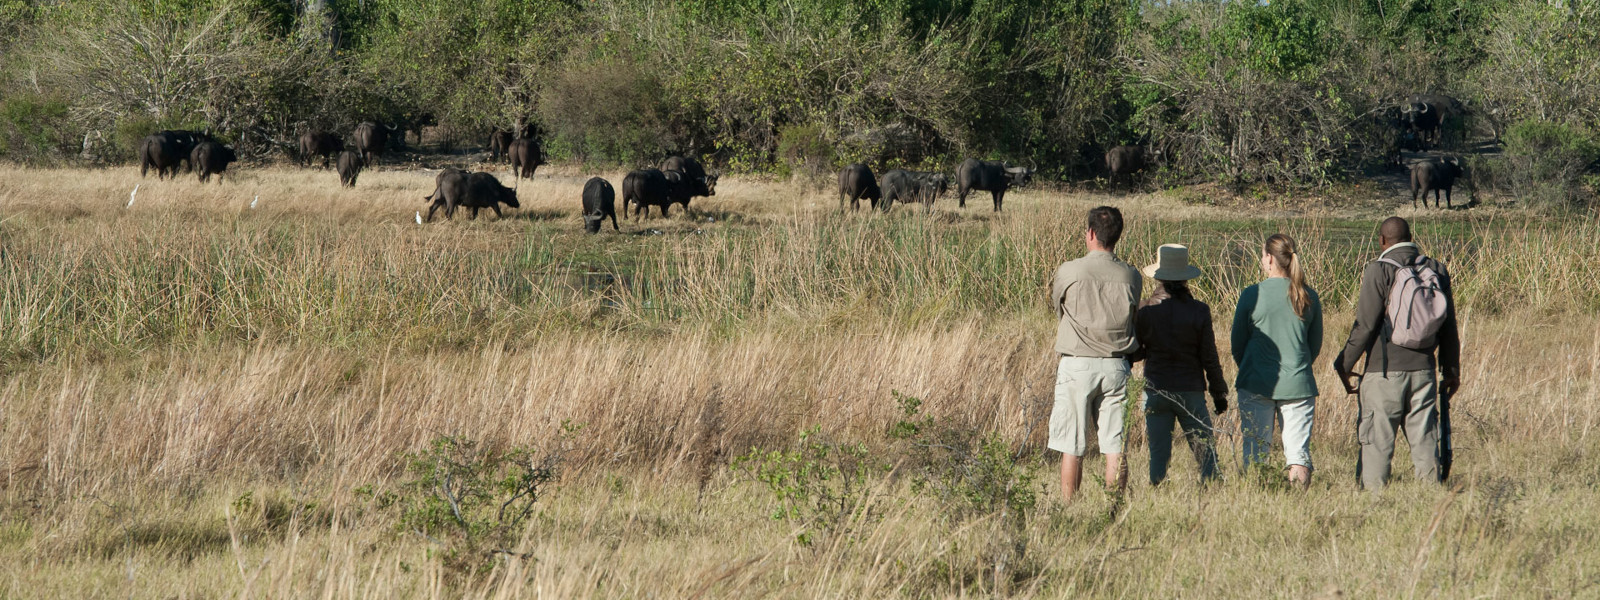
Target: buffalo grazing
456,188
856,182
599,202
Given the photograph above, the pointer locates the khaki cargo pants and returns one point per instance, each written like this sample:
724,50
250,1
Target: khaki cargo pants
1390,401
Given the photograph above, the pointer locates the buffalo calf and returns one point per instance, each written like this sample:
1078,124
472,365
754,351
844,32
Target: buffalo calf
910,186
211,158
599,202
349,167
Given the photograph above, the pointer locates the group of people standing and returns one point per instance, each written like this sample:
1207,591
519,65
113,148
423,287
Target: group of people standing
1405,328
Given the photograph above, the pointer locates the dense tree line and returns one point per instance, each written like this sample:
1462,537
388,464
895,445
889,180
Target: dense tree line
1290,92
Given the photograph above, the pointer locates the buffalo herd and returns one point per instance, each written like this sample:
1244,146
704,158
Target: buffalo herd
1420,123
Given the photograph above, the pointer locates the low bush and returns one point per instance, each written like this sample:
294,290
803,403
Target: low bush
469,498
1548,163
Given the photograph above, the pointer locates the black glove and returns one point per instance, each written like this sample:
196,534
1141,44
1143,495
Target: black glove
1220,402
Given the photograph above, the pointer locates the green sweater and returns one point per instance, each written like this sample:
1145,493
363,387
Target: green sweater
1273,347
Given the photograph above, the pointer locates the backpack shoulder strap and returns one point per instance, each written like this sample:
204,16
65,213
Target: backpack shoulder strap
1390,261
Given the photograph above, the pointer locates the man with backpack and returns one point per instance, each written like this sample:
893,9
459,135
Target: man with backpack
1406,314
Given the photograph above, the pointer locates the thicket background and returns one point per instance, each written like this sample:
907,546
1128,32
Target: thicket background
1294,92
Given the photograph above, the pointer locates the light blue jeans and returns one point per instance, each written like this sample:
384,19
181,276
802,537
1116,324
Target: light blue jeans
1257,416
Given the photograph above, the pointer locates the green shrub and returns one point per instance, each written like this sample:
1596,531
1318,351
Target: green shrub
469,498
34,129
805,150
822,485
1548,162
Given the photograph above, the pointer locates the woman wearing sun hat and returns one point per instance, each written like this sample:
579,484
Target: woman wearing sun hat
1180,364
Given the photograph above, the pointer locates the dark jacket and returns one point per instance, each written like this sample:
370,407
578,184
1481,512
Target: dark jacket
1369,336
1178,346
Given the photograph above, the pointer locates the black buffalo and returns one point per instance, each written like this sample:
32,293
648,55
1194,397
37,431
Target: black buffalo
349,167
319,143
856,182
160,153
990,176
1426,116
371,140
1122,162
645,188
500,144
700,183
167,150
599,202
1433,175
211,158
526,155
910,186
456,188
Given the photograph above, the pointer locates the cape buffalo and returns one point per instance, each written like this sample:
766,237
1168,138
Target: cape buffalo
526,155
908,186
645,188
1434,174
319,143
700,184
160,153
211,158
167,149
371,140
1427,115
499,143
856,182
349,168
455,188
993,177
1123,161
599,202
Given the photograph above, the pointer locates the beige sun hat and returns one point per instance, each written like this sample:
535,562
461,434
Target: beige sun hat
1172,264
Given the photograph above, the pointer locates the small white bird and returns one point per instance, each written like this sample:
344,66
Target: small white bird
132,196
419,217
253,202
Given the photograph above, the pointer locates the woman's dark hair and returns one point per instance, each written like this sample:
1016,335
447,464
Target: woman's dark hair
1178,290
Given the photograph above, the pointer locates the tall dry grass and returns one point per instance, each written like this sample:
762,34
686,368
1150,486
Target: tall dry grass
164,359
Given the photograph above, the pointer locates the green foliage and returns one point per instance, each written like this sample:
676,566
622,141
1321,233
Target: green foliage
823,486
1549,162
34,128
806,151
972,474
470,498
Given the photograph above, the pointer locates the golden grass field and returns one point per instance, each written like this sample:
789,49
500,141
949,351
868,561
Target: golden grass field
195,391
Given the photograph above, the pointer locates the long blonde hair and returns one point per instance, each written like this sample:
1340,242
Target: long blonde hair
1282,249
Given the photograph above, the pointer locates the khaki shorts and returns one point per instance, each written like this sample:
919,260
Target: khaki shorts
1089,390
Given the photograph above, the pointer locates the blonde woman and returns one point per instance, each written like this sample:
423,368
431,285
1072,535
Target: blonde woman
1277,334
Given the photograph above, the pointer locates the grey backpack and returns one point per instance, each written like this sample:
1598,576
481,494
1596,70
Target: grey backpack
1417,305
